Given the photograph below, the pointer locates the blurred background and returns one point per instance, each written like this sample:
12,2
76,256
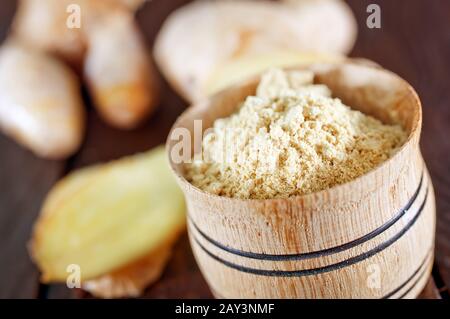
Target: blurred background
414,42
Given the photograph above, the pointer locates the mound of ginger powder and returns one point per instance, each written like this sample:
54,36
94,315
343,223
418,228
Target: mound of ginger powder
292,138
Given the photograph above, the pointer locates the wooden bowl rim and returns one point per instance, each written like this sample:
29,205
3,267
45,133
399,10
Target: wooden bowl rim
203,103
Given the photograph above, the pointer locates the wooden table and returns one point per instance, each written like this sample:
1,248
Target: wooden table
414,42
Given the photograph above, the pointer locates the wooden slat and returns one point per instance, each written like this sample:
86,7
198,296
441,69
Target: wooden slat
24,182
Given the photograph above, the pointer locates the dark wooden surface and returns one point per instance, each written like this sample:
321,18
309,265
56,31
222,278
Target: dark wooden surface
414,42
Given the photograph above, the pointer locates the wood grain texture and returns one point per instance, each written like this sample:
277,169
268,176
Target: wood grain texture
414,42
25,182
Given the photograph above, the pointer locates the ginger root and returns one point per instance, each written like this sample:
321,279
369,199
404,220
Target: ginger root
116,221
108,43
40,102
118,72
202,36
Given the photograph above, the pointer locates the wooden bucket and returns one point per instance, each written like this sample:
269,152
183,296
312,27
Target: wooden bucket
370,238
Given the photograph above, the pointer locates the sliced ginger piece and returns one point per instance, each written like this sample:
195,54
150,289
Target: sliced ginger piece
116,221
132,279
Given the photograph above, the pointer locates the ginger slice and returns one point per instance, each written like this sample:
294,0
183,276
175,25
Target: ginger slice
132,279
116,220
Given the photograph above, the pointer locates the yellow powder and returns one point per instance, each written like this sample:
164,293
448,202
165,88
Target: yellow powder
290,139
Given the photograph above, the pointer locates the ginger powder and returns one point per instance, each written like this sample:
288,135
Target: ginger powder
292,138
